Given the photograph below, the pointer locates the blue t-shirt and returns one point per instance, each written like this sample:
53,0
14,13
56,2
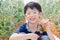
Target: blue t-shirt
24,29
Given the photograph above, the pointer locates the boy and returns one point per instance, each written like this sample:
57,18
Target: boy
30,30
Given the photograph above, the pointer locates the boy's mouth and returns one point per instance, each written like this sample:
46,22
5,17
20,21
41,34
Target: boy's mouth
32,19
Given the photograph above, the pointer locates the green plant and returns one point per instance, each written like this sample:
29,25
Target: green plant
51,9
11,12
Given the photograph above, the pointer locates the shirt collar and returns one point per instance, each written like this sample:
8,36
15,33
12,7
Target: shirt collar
37,29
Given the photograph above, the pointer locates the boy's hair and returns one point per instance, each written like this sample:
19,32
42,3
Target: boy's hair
32,5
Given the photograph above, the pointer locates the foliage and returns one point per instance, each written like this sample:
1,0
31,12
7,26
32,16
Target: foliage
51,9
11,12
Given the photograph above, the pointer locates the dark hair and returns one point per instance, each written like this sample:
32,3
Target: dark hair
32,5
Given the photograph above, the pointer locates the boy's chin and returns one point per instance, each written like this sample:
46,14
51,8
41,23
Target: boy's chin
33,22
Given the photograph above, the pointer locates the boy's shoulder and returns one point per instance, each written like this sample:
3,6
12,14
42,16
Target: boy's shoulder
21,28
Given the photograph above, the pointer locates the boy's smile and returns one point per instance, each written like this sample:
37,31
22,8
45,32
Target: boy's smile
32,19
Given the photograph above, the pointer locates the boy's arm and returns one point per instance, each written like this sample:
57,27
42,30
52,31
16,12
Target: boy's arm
16,36
20,36
47,23
50,34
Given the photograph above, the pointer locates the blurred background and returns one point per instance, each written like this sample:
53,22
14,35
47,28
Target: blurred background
12,14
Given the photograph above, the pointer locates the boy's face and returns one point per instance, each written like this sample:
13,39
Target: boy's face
32,15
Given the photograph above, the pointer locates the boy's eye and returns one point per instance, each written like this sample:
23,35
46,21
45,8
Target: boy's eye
35,12
28,13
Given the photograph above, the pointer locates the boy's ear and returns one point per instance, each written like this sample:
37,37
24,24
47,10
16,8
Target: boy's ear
24,14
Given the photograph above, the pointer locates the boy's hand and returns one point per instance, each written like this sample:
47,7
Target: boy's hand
45,22
33,36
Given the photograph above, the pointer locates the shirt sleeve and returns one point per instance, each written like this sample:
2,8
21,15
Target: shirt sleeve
21,29
45,37
44,33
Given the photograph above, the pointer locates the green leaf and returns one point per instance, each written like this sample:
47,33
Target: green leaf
8,23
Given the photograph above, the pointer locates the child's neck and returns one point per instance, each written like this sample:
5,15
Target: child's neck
33,26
